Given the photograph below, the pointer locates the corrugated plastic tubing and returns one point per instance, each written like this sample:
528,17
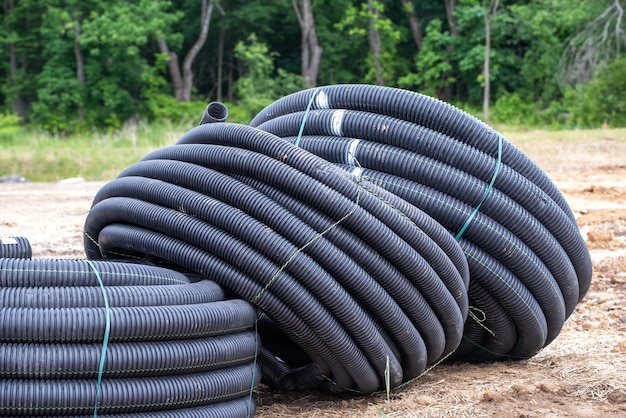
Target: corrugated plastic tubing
449,164
172,345
15,247
184,204
234,408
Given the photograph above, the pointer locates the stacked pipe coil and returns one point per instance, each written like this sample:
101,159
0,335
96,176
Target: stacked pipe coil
15,247
529,264
356,288
87,338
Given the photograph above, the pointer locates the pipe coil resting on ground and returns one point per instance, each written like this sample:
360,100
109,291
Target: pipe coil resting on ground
529,264
131,339
354,285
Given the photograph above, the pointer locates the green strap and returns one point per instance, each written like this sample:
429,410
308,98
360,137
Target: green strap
105,342
487,192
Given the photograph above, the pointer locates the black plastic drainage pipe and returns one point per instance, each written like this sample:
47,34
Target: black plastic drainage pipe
416,153
419,109
214,112
189,205
81,336
15,247
471,180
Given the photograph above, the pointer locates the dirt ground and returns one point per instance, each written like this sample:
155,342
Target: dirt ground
581,374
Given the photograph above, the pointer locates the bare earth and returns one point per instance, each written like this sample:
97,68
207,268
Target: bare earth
581,374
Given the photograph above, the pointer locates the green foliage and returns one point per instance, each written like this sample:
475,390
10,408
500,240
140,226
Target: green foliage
342,59
602,100
10,127
434,69
116,75
356,22
512,109
165,108
261,85
126,76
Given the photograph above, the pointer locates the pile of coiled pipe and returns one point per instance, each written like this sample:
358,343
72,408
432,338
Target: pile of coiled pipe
15,247
529,264
356,288
87,338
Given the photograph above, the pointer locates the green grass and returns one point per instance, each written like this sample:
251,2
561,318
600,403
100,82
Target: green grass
99,156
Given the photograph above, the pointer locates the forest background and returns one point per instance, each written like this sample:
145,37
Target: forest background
73,68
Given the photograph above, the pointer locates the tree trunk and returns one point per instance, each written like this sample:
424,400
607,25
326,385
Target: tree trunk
491,11
18,106
183,80
207,9
593,46
446,92
374,40
220,65
174,69
618,27
452,21
80,66
230,94
416,29
311,51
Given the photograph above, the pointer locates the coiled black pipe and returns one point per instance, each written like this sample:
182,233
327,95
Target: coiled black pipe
412,152
129,338
234,408
15,247
187,205
542,230
119,238
153,358
525,253
119,396
419,109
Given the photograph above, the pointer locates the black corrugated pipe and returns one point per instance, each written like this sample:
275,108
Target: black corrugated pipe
100,337
420,109
15,247
214,112
203,204
235,408
522,243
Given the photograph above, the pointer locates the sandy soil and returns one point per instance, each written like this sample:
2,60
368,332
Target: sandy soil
581,374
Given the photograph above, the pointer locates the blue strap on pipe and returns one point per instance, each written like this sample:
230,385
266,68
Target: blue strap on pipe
105,341
487,192
306,115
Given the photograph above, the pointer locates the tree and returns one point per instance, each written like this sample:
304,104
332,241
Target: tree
260,84
183,80
450,14
17,103
18,38
311,51
434,70
491,11
373,35
603,99
414,24
92,65
382,39
600,42
72,64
